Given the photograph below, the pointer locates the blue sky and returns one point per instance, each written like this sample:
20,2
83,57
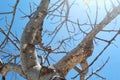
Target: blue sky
110,71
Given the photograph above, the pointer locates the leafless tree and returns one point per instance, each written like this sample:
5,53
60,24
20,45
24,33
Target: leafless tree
50,31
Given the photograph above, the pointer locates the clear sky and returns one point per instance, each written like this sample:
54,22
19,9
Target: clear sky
78,11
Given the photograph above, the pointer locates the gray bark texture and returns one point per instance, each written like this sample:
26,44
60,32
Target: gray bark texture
31,68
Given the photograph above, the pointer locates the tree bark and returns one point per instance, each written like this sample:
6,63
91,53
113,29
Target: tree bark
30,67
76,55
30,38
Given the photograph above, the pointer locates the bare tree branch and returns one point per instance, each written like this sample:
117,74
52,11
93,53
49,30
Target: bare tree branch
59,15
4,68
95,72
12,21
75,56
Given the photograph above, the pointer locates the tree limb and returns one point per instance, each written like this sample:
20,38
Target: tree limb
76,55
31,37
11,67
